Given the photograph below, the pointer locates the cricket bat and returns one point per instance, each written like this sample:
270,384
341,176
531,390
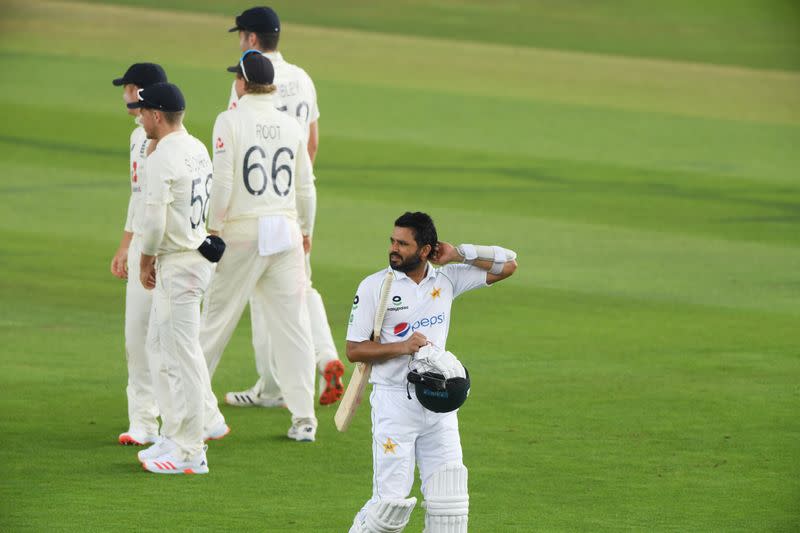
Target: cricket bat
358,381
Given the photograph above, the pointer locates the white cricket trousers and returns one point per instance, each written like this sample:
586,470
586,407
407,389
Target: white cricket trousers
278,282
142,407
405,434
174,340
324,348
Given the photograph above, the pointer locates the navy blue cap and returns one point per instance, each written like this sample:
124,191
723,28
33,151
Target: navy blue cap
160,96
142,74
255,68
258,20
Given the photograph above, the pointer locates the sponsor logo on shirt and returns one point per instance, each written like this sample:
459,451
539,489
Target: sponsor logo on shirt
402,329
219,146
397,302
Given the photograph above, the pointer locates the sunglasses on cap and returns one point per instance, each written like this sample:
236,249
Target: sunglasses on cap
241,62
147,103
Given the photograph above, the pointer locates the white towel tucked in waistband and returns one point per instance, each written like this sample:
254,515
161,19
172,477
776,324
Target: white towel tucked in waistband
274,234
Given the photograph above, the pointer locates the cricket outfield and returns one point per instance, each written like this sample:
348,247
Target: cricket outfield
639,372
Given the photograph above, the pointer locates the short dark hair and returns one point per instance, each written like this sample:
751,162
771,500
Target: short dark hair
267,41
421,225
173,118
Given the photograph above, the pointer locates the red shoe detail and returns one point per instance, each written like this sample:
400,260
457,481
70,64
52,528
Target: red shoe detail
188,471
334,389
126,440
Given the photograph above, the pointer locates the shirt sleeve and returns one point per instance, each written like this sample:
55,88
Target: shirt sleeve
158,180
306,193
153,227
362,315
129,217
313,110
222,183
464,277
154,214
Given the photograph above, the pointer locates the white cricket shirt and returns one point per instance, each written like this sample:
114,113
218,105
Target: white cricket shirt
139,143
261,166
412,307
296,95
178,179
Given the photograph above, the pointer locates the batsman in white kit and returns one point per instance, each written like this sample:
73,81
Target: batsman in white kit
142,407
175,263
259,28
414,299
262,204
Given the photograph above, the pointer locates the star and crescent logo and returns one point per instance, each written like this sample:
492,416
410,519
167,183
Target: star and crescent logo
435,292
389,446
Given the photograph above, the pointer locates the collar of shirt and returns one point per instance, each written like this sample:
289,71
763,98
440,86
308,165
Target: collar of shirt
274,56
172,135
429,274
256,100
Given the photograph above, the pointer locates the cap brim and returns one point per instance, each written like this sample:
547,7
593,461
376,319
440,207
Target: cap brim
236,28
119,81
234,68
136,105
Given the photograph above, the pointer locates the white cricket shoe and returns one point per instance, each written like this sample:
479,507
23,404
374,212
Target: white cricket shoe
162,445
250,398
170,463
303,430
217,433
136,438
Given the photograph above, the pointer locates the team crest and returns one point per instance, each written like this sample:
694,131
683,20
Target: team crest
389,446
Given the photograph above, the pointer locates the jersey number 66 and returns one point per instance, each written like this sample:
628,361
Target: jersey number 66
249,168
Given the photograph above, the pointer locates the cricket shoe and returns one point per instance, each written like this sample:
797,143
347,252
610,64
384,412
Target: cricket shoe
217,433
332,378
162,445
250,398
170,463
134,438
303,430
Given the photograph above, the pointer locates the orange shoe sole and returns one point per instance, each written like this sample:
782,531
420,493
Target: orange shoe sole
334,389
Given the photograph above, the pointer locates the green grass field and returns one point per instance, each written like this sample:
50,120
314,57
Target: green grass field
640,372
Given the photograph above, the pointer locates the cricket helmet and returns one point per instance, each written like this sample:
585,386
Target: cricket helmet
437,393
